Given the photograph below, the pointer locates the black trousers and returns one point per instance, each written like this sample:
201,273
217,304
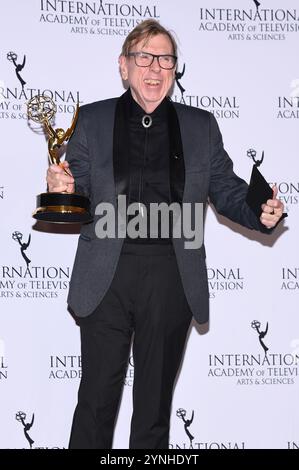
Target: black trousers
145,297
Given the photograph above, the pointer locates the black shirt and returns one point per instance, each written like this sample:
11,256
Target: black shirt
149,163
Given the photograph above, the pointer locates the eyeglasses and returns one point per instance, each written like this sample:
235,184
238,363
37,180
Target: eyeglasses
145,59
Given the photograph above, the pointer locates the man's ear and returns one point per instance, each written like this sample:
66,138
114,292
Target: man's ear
123,67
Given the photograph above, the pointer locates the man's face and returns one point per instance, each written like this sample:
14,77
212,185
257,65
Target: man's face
149,85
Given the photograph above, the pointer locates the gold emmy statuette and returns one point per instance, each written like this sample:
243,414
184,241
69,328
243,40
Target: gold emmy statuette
57,207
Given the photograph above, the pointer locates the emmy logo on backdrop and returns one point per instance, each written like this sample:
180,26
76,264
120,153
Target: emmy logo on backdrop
21,416
12,57
57,207
255,324
181,413
251,153
178,76
257,4
17,236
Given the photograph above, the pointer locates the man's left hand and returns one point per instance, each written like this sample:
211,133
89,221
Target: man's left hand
272,210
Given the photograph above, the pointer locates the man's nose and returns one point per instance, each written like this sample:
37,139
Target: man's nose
155,64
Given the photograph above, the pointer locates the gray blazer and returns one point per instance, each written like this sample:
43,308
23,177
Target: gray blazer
208,174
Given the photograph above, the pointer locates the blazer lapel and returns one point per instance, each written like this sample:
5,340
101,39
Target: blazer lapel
121,146
176,156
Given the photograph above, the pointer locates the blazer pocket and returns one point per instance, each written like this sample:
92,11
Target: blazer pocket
86,238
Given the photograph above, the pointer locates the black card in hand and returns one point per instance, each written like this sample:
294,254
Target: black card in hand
259,191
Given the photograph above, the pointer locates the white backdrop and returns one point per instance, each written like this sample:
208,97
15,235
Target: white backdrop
239,61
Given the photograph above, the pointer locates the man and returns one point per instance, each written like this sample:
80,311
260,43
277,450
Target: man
150,150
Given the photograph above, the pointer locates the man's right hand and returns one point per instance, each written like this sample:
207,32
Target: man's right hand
57,179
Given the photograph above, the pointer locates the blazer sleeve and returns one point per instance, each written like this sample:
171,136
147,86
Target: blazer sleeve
227,191
77,155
